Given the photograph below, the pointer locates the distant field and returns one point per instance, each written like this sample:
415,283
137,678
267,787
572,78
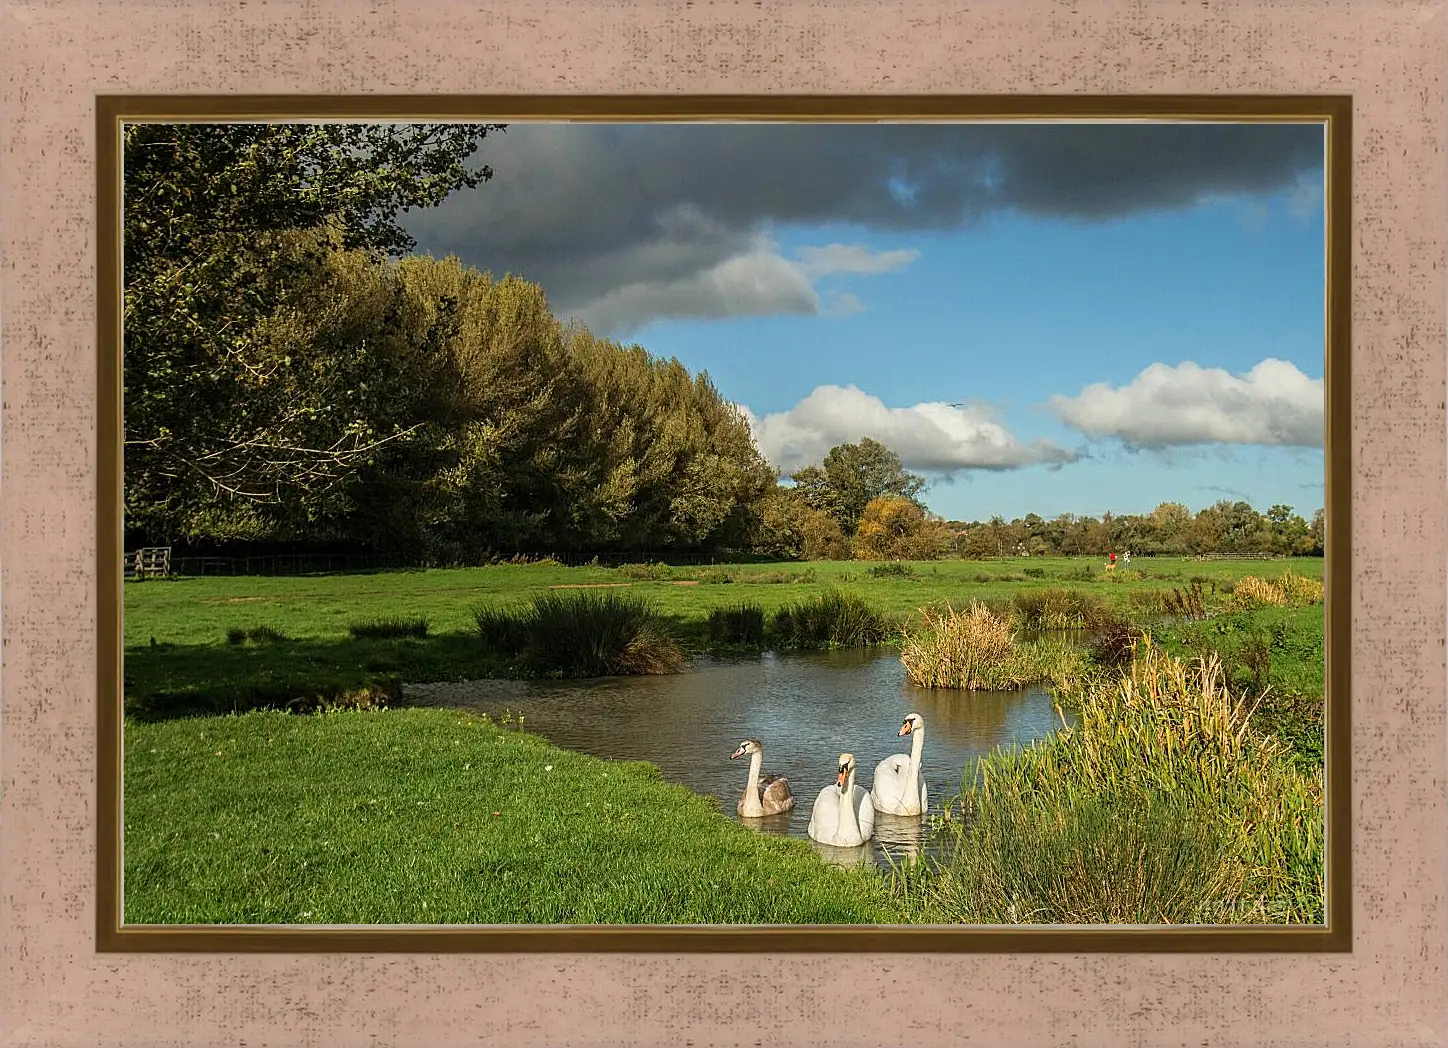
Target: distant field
178,657
199,610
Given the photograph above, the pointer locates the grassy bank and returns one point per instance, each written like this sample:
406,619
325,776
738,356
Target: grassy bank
433,816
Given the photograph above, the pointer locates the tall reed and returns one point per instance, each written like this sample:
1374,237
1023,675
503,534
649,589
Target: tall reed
586,634
833,619
1162,727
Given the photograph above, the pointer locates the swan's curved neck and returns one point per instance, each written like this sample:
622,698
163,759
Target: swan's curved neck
849,818
916,745
752,803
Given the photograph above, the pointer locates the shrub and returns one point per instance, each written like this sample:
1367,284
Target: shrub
586,634
737,626
1188,604
1034,573
1298,590
831,620
386,629
714,576
1114,645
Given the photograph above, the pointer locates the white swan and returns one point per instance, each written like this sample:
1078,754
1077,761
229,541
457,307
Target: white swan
767,796
898,787
843,815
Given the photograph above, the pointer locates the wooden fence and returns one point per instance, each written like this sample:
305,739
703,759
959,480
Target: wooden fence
152,560
1241,556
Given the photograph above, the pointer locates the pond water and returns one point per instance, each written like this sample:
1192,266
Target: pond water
805,708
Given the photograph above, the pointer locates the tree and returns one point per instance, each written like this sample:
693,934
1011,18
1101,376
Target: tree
852,475
220,222
896,528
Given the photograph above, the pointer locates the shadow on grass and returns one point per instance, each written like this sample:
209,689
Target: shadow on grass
304,675
168,681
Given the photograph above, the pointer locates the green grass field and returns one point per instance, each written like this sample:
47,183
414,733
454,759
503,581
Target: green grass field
435,816
178,659
388,816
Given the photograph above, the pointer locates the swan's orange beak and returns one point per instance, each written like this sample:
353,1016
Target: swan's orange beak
905,728
840,778
737,753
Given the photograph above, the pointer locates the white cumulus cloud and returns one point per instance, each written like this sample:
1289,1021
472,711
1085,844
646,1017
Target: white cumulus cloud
930,437
1274,403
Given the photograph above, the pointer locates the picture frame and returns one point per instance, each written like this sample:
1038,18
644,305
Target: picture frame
1335,115
51,550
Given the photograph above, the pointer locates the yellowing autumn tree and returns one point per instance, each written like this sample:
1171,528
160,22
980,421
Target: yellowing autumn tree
894,528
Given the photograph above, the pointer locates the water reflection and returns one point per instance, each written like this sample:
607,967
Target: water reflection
806,709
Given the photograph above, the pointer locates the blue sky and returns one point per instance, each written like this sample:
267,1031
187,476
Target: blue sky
961,302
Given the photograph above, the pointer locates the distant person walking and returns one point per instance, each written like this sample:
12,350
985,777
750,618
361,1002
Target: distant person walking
1111,562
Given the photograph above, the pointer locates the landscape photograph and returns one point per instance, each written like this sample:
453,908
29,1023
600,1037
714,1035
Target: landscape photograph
746,523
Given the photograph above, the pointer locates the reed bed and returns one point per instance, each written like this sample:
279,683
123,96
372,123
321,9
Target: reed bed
976,650
1162,732
1062,609
740,626
588,634
1287,590
833,619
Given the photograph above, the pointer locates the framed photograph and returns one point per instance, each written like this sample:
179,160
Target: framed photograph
479,528
611,551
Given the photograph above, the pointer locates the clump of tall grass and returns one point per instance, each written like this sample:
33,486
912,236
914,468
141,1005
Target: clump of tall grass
1062,609
585,634
833,619
1287,590
256,635
1299,590
386,629
893,569
714,576
646,572
976,650
528,560
1251,592
737,626
776,578
1161,726
1098,859
1034,573
1148,602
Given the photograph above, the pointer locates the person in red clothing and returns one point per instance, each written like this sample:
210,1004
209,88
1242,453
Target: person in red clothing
1111,562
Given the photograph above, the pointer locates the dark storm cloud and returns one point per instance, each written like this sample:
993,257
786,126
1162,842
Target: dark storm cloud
622,223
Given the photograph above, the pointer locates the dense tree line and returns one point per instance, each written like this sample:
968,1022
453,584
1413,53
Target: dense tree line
289,378
1171,529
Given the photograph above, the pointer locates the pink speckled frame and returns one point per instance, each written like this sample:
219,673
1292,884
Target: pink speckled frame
57,989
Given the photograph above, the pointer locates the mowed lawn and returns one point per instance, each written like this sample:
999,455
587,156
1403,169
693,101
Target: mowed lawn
411,816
